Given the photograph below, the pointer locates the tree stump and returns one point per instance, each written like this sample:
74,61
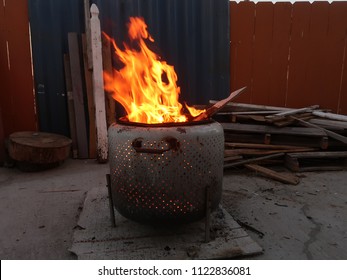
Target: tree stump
35,151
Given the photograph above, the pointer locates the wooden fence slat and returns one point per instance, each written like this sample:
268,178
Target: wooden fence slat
81,130
338,51
241,34
343,87
17,99
2,141
316,83
296,96
307,55
262,52
280,52
5,99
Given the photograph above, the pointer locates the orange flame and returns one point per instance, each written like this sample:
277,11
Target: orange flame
146,87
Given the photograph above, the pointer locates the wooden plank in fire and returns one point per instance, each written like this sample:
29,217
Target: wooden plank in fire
215,108
78,95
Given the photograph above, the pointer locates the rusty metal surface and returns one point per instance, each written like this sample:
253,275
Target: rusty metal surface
165,181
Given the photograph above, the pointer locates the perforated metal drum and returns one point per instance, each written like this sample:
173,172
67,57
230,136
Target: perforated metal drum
159,174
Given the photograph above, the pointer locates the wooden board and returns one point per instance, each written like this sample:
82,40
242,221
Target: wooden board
280,54
229,145
316,85
70,105
339,21
2,141
316,161
17,100
290,54
78,96
242,18
335,56
286,178
262,53
96,239
297,131
107,67
252,160
329,124
90,99
278,139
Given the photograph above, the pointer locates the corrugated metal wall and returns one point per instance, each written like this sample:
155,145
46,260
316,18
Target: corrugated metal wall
50,22
192,35
291,55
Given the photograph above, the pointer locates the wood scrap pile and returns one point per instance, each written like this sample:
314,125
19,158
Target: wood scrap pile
305,139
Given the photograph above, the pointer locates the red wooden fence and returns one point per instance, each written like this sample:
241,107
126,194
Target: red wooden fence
16,81
16,87
291,55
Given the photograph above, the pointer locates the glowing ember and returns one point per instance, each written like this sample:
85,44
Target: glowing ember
146,86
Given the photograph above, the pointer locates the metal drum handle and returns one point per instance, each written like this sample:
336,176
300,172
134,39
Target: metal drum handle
172,143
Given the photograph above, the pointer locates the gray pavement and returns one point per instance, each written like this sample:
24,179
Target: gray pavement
39,211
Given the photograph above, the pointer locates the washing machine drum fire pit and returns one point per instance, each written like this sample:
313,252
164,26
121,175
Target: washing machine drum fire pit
160,173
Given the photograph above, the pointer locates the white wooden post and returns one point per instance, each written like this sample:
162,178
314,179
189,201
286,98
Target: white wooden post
98,86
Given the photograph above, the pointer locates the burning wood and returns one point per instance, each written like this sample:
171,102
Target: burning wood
145,85
219,105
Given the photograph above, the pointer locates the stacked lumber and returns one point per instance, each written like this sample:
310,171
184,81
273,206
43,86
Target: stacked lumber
261,138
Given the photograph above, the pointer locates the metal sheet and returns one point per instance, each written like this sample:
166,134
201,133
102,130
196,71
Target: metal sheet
192,35
50,22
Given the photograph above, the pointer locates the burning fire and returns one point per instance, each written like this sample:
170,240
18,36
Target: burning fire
145,86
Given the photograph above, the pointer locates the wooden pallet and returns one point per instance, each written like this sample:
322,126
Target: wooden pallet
316,161
96,239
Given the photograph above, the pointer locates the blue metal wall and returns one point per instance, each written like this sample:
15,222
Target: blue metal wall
50,21
192,35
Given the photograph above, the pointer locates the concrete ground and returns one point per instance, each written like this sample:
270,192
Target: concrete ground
38,211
